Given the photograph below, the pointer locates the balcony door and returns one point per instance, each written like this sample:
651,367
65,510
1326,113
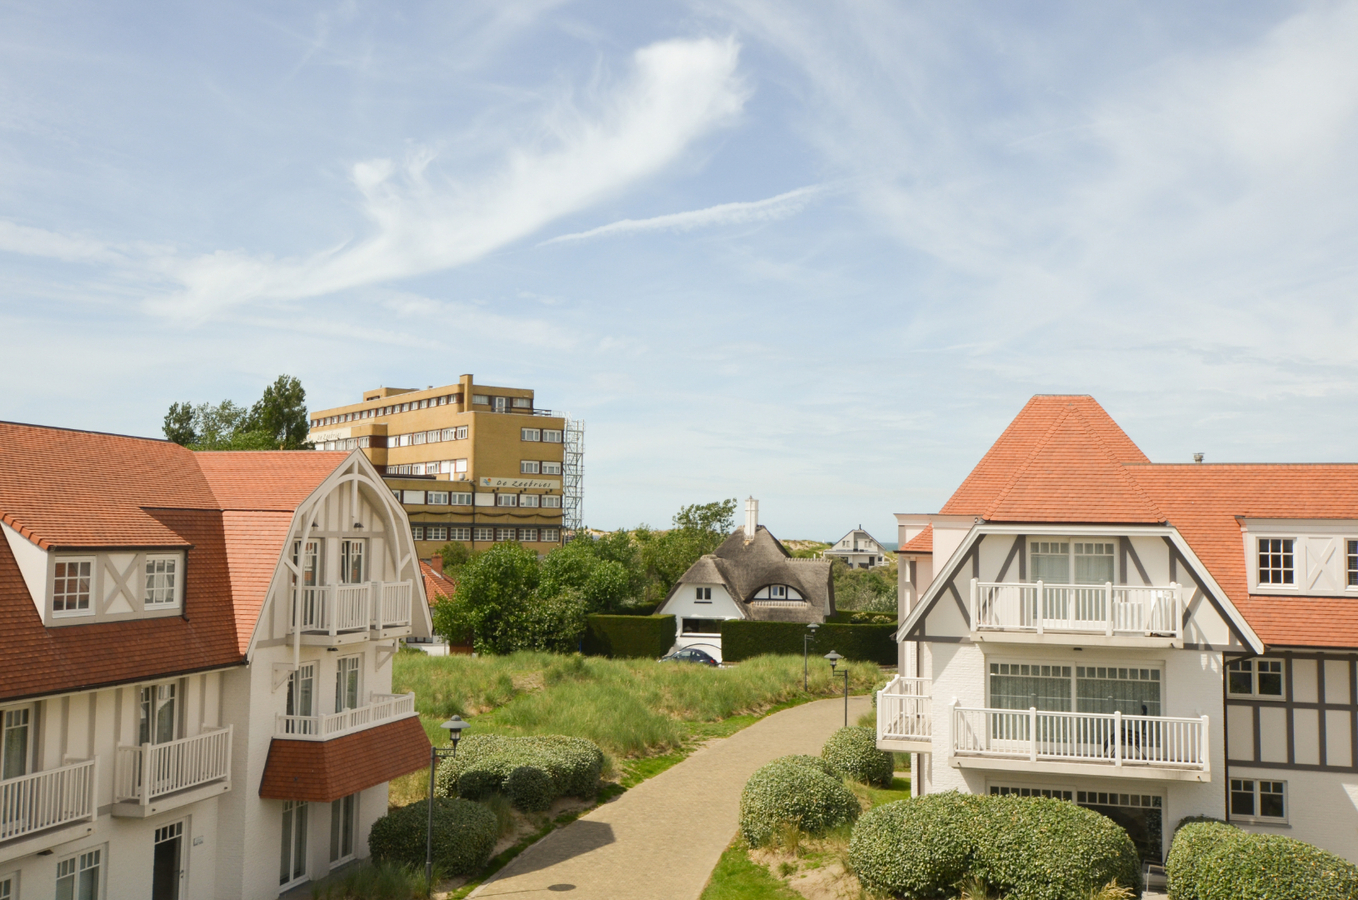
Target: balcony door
347,683
15,741
159,717
292,853
353,561
302,691
167,870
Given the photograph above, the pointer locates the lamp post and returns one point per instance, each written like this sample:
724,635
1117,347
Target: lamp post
454,728
834,659
806,638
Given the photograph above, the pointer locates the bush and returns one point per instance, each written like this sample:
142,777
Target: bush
1215,861
464,835
743,639
852,753
629,637
1026,848
488,763
814,762
793,791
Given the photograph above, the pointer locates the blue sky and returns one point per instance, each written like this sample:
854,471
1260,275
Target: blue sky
818,253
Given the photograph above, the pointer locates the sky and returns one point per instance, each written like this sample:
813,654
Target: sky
817,253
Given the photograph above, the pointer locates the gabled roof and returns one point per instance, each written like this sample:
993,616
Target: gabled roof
851,533
744,567
230,512
921,543
437,586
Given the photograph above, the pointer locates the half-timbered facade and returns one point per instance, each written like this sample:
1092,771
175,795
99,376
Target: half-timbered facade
1152,641
195,692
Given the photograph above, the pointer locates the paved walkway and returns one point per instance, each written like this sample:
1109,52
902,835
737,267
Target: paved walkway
663,837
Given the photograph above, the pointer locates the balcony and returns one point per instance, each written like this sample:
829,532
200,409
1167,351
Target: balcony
41,810
381,709
1106,614
903,716
153,778
1027,740
337,614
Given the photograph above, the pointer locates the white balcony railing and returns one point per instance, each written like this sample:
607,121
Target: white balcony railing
1108,609
382,708
32,803
903,710
143,774
338,609
1099,738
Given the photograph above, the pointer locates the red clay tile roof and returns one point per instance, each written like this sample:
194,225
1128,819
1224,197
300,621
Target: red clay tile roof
436,584
1026,435
62,488
920,543
322,771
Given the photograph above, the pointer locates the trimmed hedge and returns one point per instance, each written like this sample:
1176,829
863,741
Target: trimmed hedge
628,637
743,639
530,771
1216,861
1026,848
464,835
793,790
852,753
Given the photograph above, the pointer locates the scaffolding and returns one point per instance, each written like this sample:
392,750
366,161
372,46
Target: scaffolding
573,479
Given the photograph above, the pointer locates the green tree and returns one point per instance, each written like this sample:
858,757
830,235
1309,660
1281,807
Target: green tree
593,570
179,424
455,555
665,555
281,413
497,597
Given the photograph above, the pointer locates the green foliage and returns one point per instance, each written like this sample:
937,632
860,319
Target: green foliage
742,639
736,877
374,881
497,599
1025,848
277,421
665,555
595,570
1215,861
530,771
869,590
791,792
629,637
455,555
464,835
852,753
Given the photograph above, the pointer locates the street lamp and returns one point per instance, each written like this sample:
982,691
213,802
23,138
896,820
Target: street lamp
834,659
809,636
454,728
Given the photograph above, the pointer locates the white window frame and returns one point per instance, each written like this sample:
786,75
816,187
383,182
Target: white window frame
348,665
480,399
150,702
344,807
458,498
702,594
530,467
413,498
459,533
1288,586
176,583
530,434
551,535
347,547
79,863
88,610
551,435
506,534
529,501
522,402
297,833
417,532
1351,563
1156,670
436,532
506,499
9,722
551,467
528,535
9,886
1256,789
483,533
436,498
1275,667
551,501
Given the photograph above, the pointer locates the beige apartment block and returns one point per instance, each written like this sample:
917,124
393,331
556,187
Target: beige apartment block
470,463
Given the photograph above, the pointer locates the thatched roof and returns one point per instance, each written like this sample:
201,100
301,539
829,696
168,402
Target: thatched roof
744,567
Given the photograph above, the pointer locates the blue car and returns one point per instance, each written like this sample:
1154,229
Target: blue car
690,654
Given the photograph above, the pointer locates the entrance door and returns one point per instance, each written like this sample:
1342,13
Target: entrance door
166,870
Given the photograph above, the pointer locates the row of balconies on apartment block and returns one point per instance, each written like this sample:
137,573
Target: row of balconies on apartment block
1158,747
42,809
334,614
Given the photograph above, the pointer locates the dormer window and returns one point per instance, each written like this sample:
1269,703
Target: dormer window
71,587
1275,561
162,581
1351,563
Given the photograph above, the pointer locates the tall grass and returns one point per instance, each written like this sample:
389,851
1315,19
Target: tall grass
628,707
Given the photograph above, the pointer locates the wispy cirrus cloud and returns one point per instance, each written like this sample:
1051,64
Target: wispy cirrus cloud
741,213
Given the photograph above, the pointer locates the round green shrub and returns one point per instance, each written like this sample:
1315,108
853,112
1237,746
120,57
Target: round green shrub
852,753
464,834
1025,848
529,789
814,762
484,762
1216,861
791,792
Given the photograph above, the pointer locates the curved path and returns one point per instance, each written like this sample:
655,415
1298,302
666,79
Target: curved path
663,838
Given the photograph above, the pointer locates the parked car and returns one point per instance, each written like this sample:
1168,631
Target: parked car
690,654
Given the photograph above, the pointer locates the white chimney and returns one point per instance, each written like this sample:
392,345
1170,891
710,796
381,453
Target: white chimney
751,518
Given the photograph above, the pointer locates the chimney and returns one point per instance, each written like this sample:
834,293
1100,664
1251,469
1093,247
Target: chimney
751,518
1197,457
436,563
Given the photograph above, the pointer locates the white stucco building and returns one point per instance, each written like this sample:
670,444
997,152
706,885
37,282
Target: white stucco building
1151,641
195,692
858,549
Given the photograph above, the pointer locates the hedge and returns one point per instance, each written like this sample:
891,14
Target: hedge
852,753
793,790
464,835
628,637
1024,848
743,639
530,771
1216,861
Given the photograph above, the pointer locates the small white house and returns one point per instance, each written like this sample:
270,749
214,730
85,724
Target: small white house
750,576
859,549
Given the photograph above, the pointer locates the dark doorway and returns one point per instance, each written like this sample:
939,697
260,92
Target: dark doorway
1143,825
165,869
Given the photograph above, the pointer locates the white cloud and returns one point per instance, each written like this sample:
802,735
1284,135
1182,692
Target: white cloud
26,241
766,210
679,90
